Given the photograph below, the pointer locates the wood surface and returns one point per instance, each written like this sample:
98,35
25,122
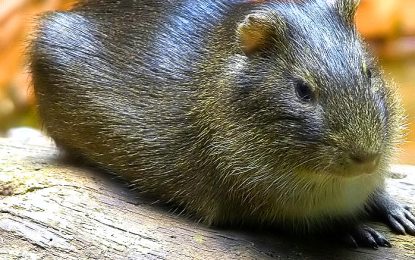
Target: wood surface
50,209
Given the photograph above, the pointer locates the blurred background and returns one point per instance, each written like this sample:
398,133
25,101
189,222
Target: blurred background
387,25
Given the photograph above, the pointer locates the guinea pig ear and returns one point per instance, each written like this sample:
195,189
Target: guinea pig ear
258,30
347,9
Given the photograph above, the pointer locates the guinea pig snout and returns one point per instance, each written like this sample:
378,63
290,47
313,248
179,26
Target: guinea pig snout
363,162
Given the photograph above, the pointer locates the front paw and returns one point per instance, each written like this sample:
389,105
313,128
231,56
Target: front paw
400,219
365,236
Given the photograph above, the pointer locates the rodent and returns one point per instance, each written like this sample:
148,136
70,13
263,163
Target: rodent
240,112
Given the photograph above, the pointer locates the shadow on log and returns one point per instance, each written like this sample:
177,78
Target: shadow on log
51,210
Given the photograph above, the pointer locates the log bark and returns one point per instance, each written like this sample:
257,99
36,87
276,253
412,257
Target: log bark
52,210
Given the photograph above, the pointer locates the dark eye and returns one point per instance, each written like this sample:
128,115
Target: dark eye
304,91
369,73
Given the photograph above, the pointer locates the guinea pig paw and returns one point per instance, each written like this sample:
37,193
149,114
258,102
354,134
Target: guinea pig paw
365,236
401,220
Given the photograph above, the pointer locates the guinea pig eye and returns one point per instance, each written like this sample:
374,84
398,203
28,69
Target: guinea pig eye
304,91
369,73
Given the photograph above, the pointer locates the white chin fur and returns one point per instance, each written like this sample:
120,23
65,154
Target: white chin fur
321,196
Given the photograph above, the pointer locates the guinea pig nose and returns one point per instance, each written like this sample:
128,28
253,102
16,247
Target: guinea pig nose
367,162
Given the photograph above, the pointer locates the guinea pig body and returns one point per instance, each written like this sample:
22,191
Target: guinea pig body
241,112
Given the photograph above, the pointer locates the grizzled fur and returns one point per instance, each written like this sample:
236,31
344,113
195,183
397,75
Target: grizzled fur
164,94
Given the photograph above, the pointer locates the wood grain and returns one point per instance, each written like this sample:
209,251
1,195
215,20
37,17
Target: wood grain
50,210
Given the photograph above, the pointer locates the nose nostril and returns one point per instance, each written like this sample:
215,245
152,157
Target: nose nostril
356,159
363,162
365,158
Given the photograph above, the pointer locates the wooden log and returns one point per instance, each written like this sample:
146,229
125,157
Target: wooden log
50,210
